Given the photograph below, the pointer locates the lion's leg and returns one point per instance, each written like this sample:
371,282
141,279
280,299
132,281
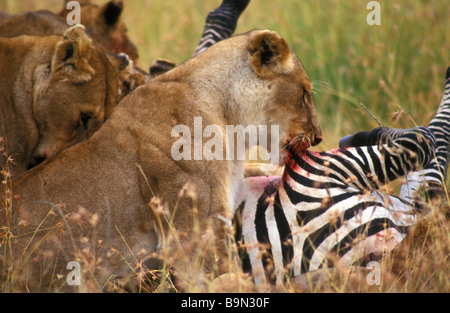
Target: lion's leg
194,232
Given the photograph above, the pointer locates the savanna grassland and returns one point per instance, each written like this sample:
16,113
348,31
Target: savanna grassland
396,70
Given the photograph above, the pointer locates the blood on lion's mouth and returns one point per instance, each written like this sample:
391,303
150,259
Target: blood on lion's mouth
298,144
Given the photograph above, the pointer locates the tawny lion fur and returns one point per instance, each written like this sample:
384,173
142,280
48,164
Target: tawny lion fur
253,78
54,92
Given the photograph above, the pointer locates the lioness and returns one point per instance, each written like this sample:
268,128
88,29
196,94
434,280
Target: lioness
54,92
254,78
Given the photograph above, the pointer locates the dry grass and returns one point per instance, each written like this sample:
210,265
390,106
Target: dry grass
395,69
419,264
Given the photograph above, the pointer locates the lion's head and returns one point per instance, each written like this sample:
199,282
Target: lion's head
268,85
291,104
104,24
73,95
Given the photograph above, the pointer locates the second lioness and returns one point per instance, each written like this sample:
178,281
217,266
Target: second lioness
55,91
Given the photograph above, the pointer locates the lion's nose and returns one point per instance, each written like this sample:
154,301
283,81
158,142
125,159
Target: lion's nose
316,140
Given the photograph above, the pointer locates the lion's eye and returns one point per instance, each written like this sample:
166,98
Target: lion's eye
84,119
304,97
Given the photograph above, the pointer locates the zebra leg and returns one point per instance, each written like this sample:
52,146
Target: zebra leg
432,177
407,138
439,126
221,23
419,140
359,139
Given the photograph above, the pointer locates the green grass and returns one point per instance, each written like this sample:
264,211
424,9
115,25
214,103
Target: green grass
398,66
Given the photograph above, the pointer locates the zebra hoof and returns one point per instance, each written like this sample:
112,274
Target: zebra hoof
362,139
356,140
346,141
239,5
160,66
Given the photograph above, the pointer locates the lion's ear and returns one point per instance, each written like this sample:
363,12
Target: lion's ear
110,12
269,54
72,54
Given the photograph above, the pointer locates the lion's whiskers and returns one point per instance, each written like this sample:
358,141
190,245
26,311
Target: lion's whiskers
298,139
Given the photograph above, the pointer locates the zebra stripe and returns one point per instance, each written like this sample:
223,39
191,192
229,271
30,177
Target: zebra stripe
440,126
332,203
293,230
435,172
221,23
